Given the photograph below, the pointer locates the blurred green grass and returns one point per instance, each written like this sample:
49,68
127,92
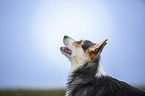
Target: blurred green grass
32,92
37,92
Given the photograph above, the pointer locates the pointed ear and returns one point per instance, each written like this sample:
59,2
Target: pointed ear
99,46
96,50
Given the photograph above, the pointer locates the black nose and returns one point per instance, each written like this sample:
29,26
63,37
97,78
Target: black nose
65,36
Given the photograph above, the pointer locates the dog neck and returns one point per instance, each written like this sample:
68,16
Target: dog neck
84,74
76,64
96,65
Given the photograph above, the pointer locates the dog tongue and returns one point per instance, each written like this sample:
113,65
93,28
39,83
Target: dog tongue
66,50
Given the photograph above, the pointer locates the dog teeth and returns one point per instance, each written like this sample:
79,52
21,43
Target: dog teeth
66,50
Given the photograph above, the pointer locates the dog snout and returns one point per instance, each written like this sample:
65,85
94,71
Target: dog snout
67,41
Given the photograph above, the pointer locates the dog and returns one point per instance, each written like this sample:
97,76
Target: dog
87,77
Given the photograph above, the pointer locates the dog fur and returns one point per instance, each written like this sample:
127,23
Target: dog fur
87,77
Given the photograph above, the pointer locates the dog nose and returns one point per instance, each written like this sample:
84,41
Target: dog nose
65,36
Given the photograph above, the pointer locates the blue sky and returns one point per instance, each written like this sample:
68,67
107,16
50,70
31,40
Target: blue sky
31,33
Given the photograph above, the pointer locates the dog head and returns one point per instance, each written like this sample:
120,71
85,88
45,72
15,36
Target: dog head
80,52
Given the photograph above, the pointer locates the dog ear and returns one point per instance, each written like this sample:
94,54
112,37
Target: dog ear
96,50
99,45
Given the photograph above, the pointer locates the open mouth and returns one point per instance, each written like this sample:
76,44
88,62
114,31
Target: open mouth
66,50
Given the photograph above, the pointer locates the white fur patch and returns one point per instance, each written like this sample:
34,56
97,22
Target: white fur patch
76,63
101,71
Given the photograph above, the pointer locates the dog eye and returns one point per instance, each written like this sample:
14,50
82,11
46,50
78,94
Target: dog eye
79,42
86,45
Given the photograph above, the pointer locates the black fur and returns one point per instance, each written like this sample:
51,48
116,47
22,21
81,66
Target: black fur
86,45
83,82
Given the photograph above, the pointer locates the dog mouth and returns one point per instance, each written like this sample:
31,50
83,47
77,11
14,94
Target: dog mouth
66,50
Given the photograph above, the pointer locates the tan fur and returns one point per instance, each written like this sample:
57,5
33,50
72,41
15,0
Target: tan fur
78,57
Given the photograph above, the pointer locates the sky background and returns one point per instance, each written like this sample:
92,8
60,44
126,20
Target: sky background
31,33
